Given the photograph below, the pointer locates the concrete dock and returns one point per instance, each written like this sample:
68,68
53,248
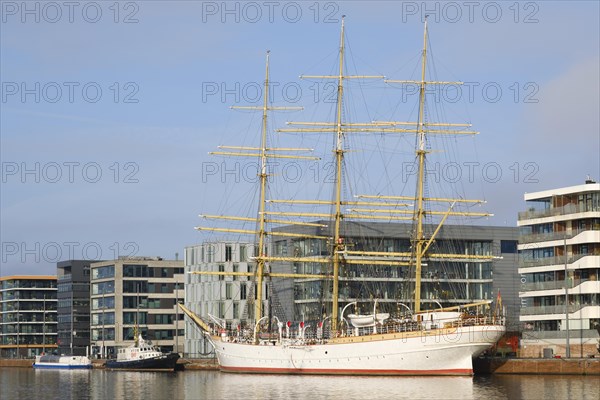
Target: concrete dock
482,366
537,366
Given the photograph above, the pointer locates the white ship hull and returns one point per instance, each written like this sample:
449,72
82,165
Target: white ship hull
429,352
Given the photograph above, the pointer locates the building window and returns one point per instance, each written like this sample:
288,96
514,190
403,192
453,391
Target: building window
164,273
103,334
154,303
163,319
163,334
135,287
210,253
132,301
508,246
164,288
103,272
189,256
242,252
107,318
103,302
221,269
136,271
65,287
243,293
130,317
228,253
128,332
103,287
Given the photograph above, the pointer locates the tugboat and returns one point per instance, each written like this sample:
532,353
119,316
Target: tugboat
143,356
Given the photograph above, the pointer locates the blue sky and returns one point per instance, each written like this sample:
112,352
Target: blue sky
108,112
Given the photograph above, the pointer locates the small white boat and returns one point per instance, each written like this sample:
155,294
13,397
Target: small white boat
62,362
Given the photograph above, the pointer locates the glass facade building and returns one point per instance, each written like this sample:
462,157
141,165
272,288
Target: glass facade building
28,319
559,243
445,282
73,307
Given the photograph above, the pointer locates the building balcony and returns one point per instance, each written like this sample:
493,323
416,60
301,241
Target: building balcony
543,310
65,278
551,212
574,334
546,237
556,260
551,285
557,288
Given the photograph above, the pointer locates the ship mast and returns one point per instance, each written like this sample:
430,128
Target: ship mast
260,263
339,127
420,243
339,158
419,211
263,153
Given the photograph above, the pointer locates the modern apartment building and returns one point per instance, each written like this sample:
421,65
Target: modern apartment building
218,297
73,307
136,293
559,244
27,316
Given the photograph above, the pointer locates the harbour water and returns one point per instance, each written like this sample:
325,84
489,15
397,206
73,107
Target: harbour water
25,383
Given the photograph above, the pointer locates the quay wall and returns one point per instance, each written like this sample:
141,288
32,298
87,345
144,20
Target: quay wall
16,363
535,366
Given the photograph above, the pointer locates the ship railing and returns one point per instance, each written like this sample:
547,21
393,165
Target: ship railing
392,326
413,326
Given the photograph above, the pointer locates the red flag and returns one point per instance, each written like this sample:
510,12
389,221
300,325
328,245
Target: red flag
499,300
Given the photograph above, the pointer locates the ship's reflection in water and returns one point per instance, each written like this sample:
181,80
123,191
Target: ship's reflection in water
18,383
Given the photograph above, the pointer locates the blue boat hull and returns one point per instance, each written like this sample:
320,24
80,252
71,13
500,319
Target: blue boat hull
50,361
57,366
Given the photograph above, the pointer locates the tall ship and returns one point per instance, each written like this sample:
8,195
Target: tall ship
411,337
